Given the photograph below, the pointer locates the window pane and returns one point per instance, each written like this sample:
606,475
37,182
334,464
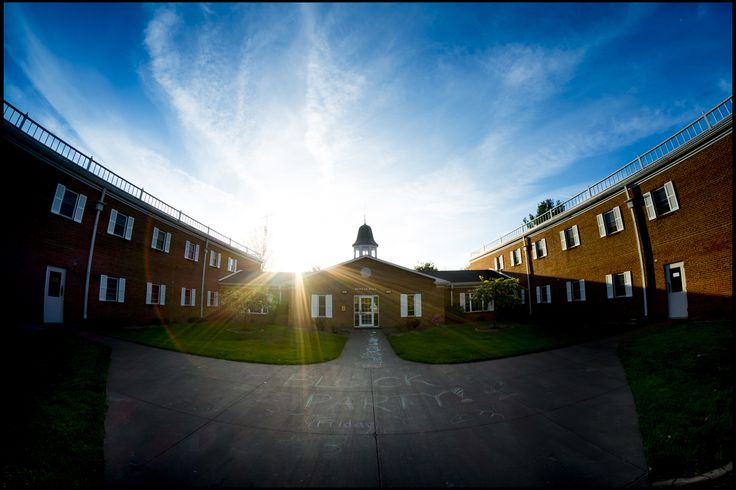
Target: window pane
119,228
410,304
54,284
619,285
675,280
155,291
610,222
68,204
661,204
112,289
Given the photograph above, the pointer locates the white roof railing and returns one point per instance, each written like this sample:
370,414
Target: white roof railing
700,126
20,120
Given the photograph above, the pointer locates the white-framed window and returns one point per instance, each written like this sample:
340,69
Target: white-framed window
191,251
155,294
321,306
619,285
544,294
232,264
411,305
161,240
120,224
661,201
570,237
260,304
522,296
575,290
539,249
215,259
112,289
68,203
515,256
610,222
498,263
471,304
213,298
188,297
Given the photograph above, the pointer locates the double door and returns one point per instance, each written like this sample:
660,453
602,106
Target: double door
365,309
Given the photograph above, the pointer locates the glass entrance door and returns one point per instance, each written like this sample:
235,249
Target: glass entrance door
365,309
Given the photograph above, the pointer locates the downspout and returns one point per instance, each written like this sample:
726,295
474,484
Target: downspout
528,274
630,204
204,268
99,206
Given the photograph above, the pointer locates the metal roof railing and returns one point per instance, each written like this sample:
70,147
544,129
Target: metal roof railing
697,128
12,115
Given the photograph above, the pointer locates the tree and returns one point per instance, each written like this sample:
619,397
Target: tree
425,267
259,243
547,205
502,291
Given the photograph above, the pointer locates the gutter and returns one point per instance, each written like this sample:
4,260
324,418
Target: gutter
630,205
204,268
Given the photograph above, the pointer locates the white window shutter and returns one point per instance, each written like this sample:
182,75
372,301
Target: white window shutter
627,282
162,294
209,298
651,212
569,290
491,306
609,285
549,293
219,259
183,295
121,290
462,301
58,199
187,246
113,219
217,298
669,189
129,227
576,235
194,297
582,289
149,292
563,242
196,253
601,225
404,305
79,211
544,246
619,218
539,295
417,305
154,237
534,251
522,296
167,241
512,258
315,306
328,306
103,287
500,262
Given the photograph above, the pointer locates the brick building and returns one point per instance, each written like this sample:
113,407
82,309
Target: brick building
650,241
87,245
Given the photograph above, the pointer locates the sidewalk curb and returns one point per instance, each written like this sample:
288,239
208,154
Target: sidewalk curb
711,475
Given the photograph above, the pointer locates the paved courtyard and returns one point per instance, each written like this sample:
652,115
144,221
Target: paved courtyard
559,418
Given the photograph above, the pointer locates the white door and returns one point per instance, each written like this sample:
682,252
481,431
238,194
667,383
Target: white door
53,304
366,311
676,290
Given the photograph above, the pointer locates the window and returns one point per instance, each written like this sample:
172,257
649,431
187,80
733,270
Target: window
259,304
570,237
498,263
321,306
576,290
522,296
112,289
155,294
610,222
544,294
188,297
232,264
120,225
191,251
471,304
539,249
619,285
68,204
661,201
160,240
515,257
215,258
411,305
213,298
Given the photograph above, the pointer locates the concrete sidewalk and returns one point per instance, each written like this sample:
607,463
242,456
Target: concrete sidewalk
559,418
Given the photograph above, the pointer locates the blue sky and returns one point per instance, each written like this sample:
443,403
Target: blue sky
444,124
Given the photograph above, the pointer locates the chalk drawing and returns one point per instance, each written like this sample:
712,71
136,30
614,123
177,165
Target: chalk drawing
394,381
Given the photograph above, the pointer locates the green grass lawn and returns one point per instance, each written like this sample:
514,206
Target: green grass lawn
474,342
55,406
682,381
268,344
